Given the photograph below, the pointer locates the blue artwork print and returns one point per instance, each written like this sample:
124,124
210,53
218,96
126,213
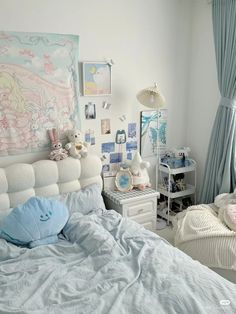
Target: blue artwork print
97,78
87,137
108,147
132,130
129,156
153,131
162,133
131,145
115,158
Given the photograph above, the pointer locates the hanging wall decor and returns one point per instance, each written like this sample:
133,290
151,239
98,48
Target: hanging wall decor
153,131
90,111
38,89
96,79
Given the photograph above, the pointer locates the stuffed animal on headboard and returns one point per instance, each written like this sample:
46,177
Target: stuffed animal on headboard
57,153
76,147
36,222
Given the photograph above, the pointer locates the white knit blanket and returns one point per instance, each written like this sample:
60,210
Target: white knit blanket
201,234
200,221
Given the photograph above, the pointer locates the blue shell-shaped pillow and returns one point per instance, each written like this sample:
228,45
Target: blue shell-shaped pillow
36,222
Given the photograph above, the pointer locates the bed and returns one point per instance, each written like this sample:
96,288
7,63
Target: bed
102,263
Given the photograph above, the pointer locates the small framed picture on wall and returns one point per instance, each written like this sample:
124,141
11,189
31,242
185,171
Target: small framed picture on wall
96,79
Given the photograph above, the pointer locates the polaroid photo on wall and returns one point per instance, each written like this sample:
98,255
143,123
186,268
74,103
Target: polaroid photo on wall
90,111
105,126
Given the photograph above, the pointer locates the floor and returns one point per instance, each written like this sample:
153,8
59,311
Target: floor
167,233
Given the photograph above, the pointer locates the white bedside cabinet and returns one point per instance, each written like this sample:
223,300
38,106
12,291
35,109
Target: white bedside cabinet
140,206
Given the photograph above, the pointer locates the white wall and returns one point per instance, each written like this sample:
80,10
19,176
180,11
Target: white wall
148,40
203,96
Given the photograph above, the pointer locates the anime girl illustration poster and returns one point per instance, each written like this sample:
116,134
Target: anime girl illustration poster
38,89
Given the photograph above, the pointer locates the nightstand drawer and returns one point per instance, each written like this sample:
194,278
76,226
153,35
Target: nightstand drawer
140,208
147,221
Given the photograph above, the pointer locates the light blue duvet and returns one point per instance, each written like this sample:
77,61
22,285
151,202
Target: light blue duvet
108,264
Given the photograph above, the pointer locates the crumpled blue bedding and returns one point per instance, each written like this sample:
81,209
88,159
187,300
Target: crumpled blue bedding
108,264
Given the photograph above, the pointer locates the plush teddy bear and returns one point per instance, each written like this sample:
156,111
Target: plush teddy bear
76,147
139,172
226,203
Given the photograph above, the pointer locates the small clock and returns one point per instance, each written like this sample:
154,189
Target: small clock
124,180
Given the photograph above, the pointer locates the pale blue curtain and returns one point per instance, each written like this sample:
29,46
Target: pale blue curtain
220,171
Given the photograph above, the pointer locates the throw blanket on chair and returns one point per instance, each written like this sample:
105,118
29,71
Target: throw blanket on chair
202,235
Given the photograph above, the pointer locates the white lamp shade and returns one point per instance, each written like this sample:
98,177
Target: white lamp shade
151,97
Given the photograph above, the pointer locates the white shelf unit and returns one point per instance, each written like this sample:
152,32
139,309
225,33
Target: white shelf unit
190,189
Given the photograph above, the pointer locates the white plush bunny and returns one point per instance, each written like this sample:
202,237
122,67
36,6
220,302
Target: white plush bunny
57,153
139,171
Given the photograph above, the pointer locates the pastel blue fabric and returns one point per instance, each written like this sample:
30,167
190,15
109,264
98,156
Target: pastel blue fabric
220,173
84,200
36,222
108,264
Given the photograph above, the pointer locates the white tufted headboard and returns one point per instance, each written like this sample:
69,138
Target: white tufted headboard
18,182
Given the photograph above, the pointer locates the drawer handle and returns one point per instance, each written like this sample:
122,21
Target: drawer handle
141,210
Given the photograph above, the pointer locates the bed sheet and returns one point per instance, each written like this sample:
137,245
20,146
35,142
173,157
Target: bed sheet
108,264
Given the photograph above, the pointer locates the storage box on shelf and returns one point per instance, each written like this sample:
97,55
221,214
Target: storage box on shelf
172,191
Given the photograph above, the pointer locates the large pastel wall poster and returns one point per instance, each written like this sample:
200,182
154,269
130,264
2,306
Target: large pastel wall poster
153,127
38,89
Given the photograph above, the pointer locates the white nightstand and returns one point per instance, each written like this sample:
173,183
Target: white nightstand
140,206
